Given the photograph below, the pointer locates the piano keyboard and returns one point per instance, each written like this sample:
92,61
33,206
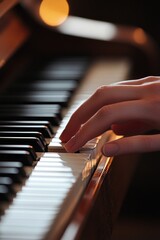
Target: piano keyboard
41,184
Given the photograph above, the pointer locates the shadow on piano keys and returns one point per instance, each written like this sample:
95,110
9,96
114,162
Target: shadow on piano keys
46,193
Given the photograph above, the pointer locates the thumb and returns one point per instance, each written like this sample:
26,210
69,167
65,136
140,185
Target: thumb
133,144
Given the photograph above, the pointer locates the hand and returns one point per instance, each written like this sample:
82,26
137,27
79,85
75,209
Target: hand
129,108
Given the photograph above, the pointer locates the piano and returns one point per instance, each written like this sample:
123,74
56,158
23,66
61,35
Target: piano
45,74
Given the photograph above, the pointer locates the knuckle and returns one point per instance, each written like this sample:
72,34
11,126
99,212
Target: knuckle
105,111
153,88
73,116
150,78
101,91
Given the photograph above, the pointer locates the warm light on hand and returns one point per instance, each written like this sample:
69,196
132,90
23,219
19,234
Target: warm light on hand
54,12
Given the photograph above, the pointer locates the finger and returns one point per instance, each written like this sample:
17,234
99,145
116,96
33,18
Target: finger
122,91
134,144
104,118
141,81
103,96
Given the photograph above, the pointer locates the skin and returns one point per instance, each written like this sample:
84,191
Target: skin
129,108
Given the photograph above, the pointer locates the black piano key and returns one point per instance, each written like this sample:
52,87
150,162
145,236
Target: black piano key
73,66
66,69
28,123
61,74
53,119
39,111
12,172
27,148
43,129
10,164
50,109
18,165
24,134
46,85
35,142
40,142
5,194
15,171
47,112
7,181
56,97
29,112
21,156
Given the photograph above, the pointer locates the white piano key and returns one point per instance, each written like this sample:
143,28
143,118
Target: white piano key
38,204
53,169
54,207
25,213
55,163
53,174
67,157
18,236
47,187
46,191
36,194
27,223
70,165
63,156
60,185
36,233
46,180
42,200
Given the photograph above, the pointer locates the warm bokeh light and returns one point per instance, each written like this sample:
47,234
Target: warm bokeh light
54,12
139,36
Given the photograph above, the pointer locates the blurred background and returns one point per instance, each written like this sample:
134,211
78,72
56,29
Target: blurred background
142,13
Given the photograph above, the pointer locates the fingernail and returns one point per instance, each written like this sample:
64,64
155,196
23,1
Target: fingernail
110,149
70,145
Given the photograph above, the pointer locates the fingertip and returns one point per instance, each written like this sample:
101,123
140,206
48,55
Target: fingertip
68,149
67,134
110,149
70,146
64,137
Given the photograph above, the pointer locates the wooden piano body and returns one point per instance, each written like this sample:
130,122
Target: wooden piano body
91,209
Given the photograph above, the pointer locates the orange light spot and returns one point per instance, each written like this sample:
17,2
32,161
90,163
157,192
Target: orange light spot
139,36
54,12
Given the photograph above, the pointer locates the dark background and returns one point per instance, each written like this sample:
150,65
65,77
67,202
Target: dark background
143,14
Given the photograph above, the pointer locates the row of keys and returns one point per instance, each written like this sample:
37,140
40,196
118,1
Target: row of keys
30,111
